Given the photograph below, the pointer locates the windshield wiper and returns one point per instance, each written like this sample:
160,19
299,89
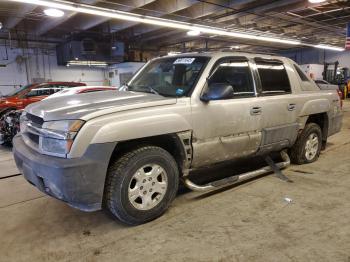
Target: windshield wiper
153,90
150,90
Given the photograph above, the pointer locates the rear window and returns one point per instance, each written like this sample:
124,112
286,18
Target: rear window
301,74
321,82
273,76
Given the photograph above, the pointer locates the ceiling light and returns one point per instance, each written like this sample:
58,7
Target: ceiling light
173,53
193,33
53,12
235,47
328,47
87,63
138,18
116,14
316,1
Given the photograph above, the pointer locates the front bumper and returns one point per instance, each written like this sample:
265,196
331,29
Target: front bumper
78,181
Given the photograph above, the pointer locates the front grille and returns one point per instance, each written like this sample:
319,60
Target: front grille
30,135
35,120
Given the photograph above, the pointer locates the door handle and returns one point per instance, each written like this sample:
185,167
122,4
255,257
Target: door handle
292,107
256,110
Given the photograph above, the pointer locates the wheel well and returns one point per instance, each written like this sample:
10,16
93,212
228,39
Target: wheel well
321,120
169,142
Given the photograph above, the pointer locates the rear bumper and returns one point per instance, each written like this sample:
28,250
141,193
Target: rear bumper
79,182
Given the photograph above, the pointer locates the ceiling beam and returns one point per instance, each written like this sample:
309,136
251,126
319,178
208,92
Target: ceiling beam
21,12
191,13
52,23
259,9
276,10
88,22
163,8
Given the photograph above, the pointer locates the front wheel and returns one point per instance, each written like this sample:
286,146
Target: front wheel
141,185
308,146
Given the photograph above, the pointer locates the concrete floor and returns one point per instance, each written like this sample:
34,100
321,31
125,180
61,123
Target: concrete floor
250,222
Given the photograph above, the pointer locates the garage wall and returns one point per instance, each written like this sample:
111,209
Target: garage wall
120,73
22,66
318,56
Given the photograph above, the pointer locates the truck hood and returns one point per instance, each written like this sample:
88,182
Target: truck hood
91,105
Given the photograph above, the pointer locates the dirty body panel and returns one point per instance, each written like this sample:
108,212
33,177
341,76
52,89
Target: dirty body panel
79,182
250,122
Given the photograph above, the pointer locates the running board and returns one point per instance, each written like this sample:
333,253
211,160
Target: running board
275,167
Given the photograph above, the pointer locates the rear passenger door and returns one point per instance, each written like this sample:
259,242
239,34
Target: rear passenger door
278,106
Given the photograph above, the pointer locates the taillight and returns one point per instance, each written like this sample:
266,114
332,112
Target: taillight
340,94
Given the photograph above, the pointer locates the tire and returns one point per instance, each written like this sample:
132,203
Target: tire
299,153
134,171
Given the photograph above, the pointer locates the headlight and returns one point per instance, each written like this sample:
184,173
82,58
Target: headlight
64,126
56,137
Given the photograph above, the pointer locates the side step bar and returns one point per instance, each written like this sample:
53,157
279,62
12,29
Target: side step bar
238,178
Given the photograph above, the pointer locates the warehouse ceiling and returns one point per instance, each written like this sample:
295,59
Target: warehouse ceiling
322,23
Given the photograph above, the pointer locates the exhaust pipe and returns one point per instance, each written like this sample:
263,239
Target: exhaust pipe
237,178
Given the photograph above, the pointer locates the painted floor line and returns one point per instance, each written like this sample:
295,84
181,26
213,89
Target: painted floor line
24,201
9,176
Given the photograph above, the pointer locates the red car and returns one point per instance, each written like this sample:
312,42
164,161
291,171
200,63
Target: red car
32,93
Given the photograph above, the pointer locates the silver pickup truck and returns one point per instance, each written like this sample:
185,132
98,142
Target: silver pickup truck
126,151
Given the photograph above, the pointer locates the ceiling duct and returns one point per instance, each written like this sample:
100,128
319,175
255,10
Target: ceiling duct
88,49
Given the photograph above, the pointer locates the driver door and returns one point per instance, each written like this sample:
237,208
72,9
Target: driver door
227,128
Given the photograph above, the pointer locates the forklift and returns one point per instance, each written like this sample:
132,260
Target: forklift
337,76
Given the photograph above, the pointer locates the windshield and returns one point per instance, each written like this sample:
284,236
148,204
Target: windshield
17,91
171,76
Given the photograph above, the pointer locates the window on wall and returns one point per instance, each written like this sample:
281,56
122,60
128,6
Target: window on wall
236,73
301,74
273,76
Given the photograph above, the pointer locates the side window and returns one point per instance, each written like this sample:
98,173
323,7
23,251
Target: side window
236,73
40,91
273,76
56,88
301,74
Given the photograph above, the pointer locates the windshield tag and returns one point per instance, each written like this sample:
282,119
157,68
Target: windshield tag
184,61
179,91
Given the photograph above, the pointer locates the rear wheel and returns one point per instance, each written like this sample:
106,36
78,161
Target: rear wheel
308,145
141,185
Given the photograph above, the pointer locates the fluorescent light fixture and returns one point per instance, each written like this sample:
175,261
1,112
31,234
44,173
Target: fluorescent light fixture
86,63
316,1
53,12
173,53
193,33
328,47
127,16
235,47
99,11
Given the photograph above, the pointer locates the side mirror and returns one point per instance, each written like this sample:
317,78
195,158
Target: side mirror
217,91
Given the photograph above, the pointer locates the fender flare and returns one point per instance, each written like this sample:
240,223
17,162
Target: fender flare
316,106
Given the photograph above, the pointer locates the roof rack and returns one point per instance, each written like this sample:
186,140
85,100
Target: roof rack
249,52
